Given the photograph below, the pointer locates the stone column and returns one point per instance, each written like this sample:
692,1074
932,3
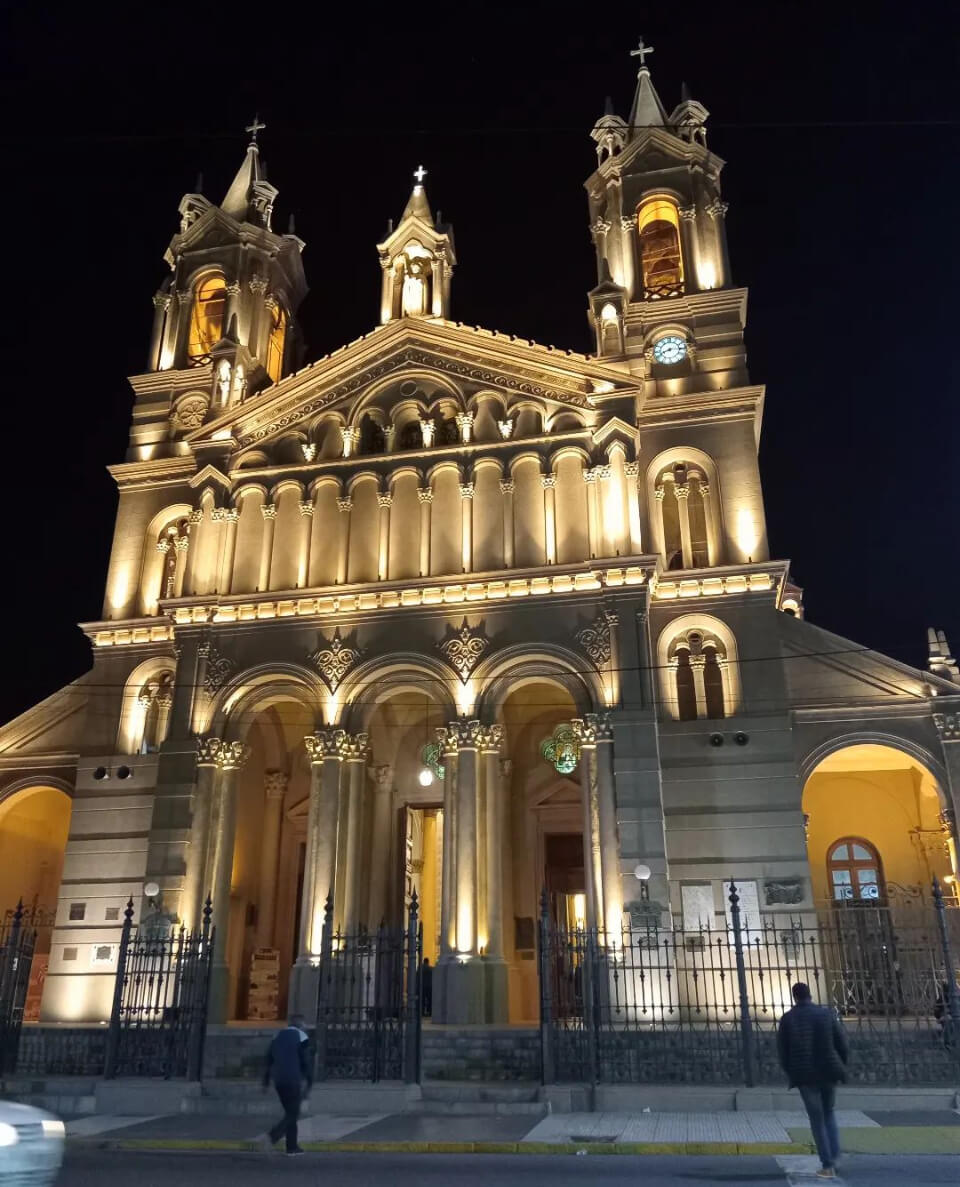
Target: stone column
194,519
351,830
593,512
269,513
384,502
607,819
507,488
465,426
350,438
717,209
682,491
230,757
448,915
161,304
497,991
549,484
425,495
182,545
303,552
344,506
631,474
274,788
586,734
690,247
380,847
229,531
196,879
698,664
389,438
466,519
714,549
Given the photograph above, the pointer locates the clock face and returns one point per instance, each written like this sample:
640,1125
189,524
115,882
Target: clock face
670,349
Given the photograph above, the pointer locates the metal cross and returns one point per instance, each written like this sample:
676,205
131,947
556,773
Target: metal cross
641,52
256,127
419,173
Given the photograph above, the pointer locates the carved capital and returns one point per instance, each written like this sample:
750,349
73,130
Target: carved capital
627,223
218,514
548,481
232,756
717,208
181,543
590,475
659,493
687,213
233,290
491,738
268,510
507,487
385,500
275,784
231,514
424,494
382,776
344,504
631,469
466,490
257,285
184,296
461,735
704,488
161,301
681,490
591,729
326,743
600,226
948,726
306,507
207,749
195,516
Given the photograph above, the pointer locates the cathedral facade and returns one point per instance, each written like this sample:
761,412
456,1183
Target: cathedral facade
455,613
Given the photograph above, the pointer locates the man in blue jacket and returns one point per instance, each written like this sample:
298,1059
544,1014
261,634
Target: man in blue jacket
288,1065
813,1053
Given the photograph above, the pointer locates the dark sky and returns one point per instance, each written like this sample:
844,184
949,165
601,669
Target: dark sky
841,128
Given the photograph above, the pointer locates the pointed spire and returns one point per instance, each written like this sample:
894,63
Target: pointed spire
647,110
417,205
237,201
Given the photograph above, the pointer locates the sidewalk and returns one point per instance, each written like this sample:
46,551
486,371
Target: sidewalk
611,1133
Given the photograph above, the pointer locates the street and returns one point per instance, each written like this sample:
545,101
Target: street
94,1167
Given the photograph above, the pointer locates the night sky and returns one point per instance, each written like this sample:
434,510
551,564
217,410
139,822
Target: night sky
841,134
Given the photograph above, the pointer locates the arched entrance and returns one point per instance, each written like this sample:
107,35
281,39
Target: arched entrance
876,828
34,824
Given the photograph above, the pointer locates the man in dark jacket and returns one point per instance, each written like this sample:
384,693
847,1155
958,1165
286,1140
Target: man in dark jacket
813,1053
288,1065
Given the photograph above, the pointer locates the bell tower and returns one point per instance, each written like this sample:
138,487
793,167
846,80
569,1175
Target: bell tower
664,301
417,260
229,306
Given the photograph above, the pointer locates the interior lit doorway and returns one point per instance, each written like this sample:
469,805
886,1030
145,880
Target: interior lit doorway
422,870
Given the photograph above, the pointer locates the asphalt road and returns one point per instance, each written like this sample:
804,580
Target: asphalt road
94,1168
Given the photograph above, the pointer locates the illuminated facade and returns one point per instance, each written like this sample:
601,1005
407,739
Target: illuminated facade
454,612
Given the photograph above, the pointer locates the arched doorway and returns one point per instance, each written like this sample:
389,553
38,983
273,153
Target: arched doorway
543,842
876,830
34,825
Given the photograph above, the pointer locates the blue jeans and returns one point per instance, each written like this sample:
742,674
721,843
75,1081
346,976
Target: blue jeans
818,1100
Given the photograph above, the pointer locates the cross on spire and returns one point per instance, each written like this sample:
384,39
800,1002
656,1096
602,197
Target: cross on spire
254,128
641,52
419,173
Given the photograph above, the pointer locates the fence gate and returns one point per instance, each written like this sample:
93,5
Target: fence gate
660,1002
16,956
369,1002
159,1015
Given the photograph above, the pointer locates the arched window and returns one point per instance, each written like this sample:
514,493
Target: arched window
276,341
661,259
683,493
699,663
854,871
172,541
206,320
155,701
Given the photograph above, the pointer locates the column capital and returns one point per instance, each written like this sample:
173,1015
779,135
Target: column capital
948,726
275,784
425,494
306,507
507,486
466,490
181,543
356,747
687,213
591,729
231,756
631,469
335,743
161,301
681,490
382,776
697,661
717,208
548,481
490,738
184,296
385,500
268,510
195,516
660,492
704,489
257,285
208,747
344,504
233,289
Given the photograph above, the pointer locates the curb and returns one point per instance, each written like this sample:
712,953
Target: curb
219,1145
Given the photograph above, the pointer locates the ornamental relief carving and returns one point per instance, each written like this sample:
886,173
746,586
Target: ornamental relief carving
219,669
335,659
189,412
464,648
597,640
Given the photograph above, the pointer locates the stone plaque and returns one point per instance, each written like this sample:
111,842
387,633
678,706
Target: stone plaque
697,905
749,906
782,890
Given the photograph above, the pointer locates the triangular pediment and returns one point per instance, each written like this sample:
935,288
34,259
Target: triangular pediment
456,355
824,669
210,475
653,149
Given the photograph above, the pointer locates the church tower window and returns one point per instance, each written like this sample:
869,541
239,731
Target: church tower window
206,320
682,493
698,660
661,260
276,342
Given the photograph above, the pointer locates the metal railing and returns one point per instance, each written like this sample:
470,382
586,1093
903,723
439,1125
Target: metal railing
701,1005
17,940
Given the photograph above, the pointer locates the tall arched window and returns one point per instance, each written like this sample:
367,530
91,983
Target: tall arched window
206,319
276,341
661,258
154,702
854,871
699,663
171,543
682,492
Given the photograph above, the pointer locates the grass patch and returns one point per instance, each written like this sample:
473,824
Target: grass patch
894,1139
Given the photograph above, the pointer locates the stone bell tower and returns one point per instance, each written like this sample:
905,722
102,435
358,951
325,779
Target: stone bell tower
417,261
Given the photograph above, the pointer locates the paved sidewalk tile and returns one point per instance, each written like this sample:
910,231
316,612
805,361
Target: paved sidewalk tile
427,1127
332,1129
89,1127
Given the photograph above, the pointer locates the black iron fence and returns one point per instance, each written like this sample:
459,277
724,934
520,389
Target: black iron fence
159,1016
368,1002
701,1005
17,941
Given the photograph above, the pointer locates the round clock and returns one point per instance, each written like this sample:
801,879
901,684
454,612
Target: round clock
670,349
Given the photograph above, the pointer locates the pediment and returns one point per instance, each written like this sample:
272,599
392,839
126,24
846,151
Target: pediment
210,474
826,669
652,149
452,356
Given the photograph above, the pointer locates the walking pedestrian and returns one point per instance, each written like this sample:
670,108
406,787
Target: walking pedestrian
288,1065
813,1053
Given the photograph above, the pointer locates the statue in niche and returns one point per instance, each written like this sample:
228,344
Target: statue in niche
416,286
